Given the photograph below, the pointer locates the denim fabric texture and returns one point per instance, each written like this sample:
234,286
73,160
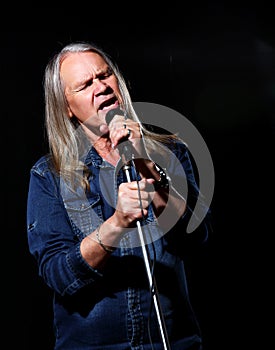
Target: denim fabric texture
110,309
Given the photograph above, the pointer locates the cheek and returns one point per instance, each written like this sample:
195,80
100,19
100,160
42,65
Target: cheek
114,86
81,108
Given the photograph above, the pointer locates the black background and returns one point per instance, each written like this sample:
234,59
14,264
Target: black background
215,64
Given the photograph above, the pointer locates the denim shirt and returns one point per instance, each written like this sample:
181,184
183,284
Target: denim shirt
110,309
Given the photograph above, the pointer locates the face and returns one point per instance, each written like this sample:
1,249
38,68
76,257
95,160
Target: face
91,88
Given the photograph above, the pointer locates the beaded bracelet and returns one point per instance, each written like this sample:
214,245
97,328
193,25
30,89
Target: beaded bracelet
99,241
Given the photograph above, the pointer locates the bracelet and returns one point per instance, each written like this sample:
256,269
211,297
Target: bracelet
107,249
164,179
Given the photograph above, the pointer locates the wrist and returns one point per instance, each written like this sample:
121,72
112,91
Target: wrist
163,182
98,237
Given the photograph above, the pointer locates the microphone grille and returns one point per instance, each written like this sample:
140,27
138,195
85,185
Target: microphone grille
111,113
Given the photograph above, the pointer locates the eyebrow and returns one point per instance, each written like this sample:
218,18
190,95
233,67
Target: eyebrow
102,71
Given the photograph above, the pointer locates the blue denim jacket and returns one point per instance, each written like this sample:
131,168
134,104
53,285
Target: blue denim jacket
110,309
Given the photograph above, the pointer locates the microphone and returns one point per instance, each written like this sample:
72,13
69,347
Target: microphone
125,146
111,113
125,153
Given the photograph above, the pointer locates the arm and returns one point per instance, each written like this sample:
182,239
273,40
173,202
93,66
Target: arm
68,262
185,182
51,239
175,205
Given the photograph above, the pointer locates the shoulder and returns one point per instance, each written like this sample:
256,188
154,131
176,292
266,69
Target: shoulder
42,165
178,147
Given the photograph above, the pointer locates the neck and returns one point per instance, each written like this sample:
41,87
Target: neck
104,148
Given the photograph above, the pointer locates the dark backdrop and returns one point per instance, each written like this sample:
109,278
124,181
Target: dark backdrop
215,65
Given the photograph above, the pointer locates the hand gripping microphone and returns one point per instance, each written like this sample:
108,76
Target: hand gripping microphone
124,147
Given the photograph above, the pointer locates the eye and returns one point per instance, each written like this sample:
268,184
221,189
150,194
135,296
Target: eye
105,75
100,76
86,85
89,83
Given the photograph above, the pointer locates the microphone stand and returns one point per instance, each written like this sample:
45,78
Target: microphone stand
148,265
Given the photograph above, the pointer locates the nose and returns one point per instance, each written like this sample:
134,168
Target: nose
100,86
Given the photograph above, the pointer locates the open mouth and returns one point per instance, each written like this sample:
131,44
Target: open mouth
108,104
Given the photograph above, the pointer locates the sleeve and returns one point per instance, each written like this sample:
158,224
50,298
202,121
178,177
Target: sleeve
183,178
51,239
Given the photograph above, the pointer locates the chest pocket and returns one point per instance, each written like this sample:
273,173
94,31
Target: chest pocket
84,210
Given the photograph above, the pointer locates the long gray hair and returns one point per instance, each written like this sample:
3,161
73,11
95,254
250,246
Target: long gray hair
65,137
